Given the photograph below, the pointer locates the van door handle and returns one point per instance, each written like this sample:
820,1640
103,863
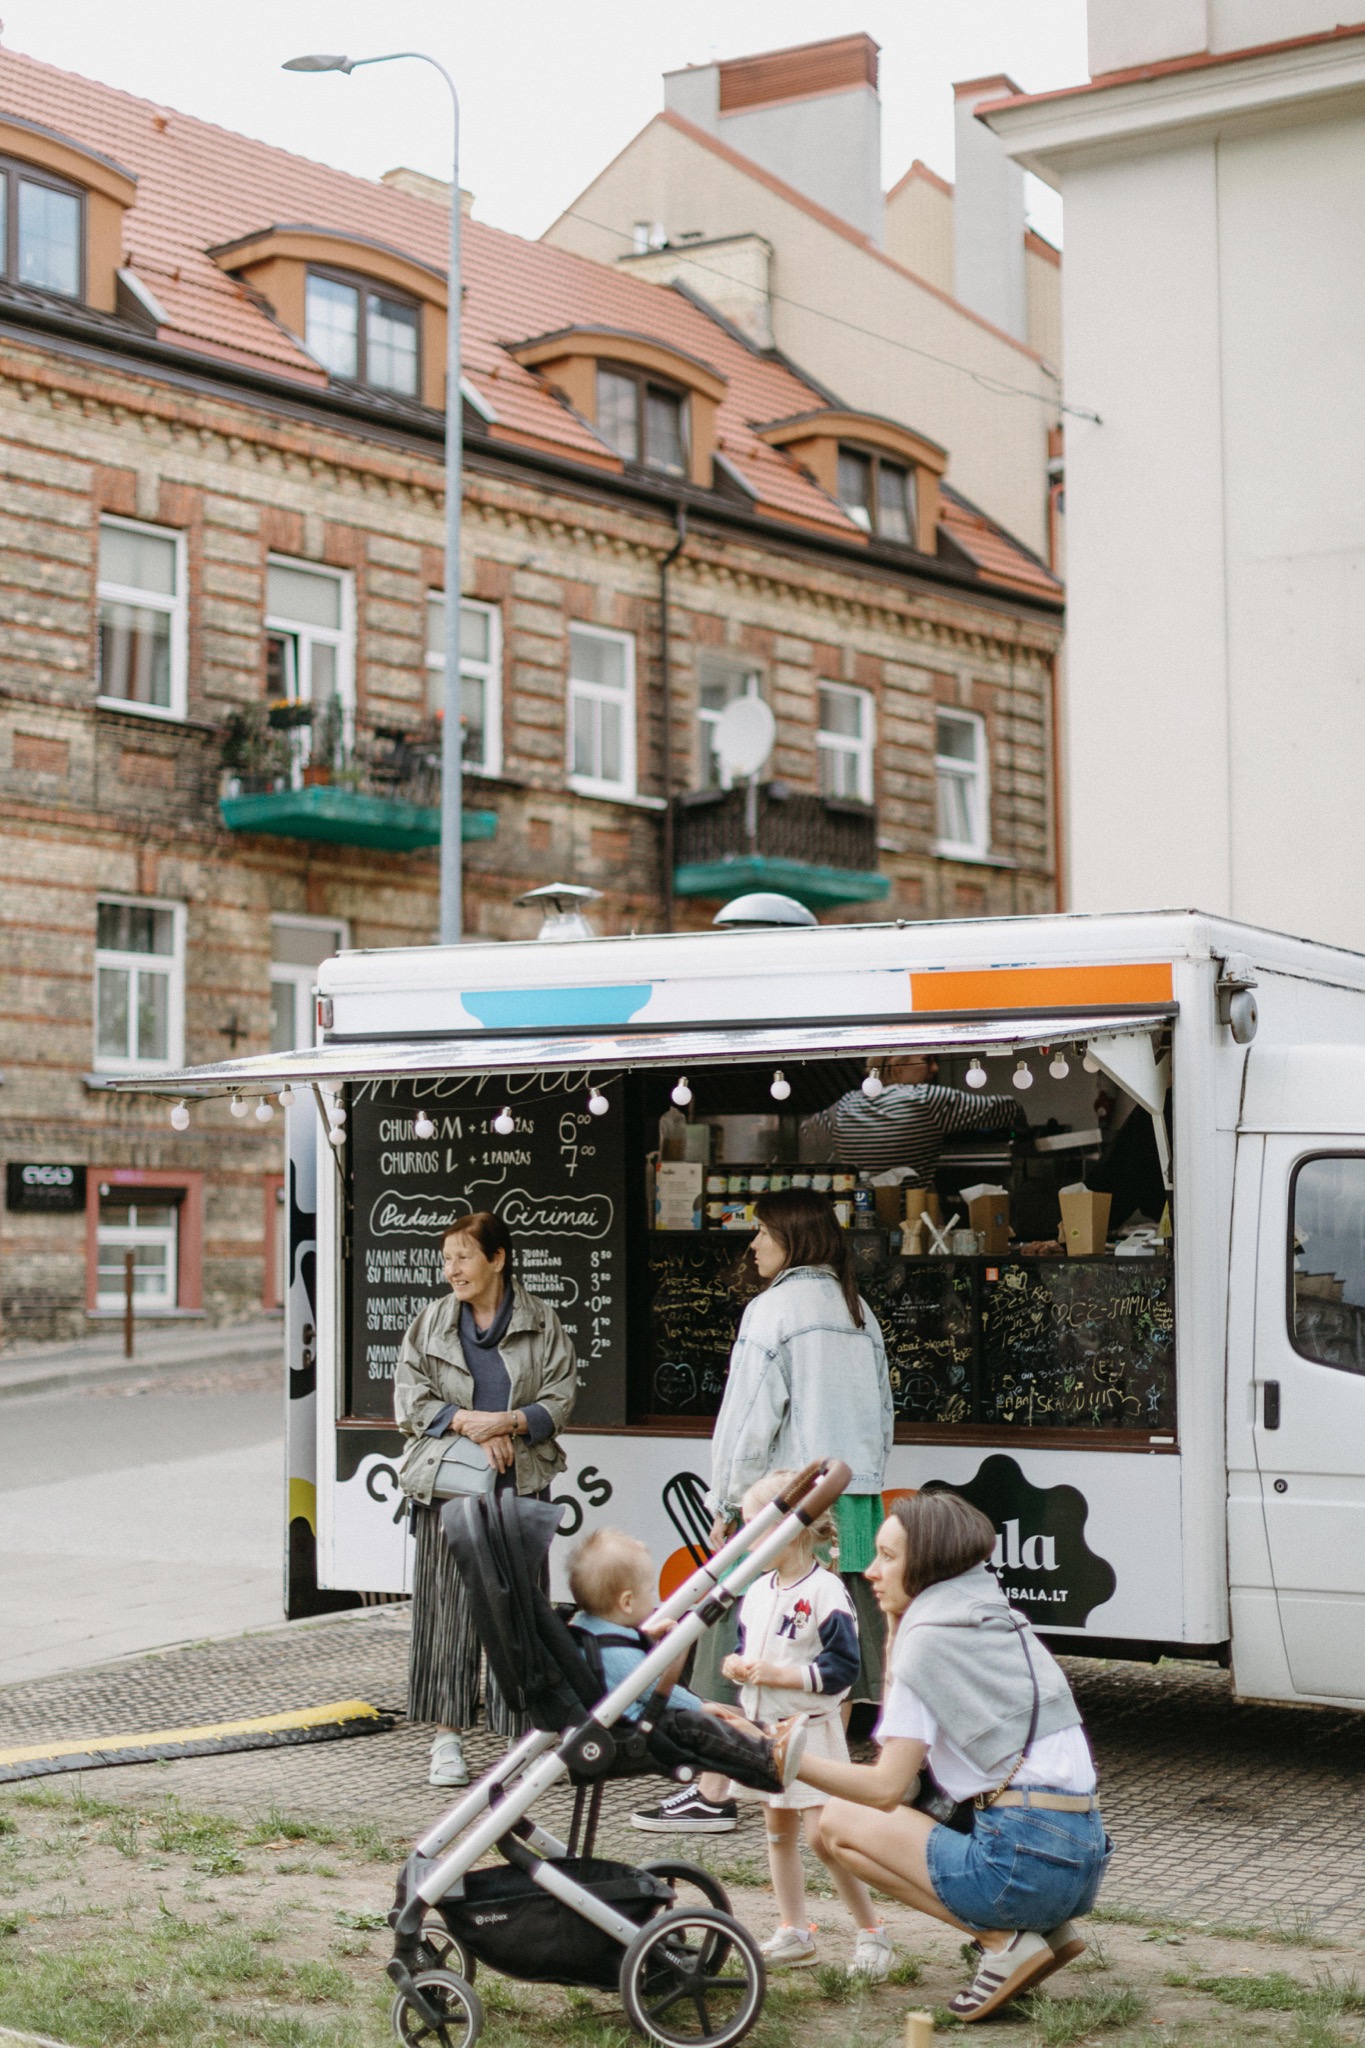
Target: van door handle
1270,1404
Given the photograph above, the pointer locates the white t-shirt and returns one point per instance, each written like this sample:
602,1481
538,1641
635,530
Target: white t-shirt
1062,1762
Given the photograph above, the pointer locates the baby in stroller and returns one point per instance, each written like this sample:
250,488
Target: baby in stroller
552,1910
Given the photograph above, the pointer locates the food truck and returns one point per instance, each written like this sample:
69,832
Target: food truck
1128,1322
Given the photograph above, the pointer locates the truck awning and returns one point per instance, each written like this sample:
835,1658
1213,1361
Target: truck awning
486,1052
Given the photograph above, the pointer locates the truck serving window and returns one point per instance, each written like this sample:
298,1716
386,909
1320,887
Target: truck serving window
1327,1260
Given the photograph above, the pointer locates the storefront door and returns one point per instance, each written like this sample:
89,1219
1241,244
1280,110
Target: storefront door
1309,1423
150,1230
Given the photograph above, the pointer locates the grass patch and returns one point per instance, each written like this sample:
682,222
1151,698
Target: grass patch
906,1970
203,1835
1276,1991
1058,2021
7,1826
274,1829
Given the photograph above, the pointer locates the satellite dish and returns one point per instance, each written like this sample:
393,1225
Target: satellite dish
743,736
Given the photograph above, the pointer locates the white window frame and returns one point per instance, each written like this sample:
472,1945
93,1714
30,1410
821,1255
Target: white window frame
123,1237
863,749
175,608
305,636
303,980
489,673
707,719
579,687
138,963
977,848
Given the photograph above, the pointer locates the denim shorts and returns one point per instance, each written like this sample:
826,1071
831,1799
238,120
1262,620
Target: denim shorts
1020,1866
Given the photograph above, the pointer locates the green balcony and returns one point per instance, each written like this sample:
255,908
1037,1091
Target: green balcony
347,817
821,850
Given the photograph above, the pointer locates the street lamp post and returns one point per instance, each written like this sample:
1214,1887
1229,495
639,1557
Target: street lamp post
452,736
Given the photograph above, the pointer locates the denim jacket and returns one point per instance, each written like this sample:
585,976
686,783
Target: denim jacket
803,1384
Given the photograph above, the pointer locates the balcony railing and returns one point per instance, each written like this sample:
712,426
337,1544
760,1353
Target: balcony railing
822,850
301,774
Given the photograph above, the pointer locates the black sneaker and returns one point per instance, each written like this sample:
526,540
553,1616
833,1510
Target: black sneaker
687,1813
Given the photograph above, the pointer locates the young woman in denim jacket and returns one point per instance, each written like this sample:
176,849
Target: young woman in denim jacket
807,1380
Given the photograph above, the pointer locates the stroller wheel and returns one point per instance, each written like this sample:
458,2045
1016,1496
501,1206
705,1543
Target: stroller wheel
693,1978
454,2016
441,1951
687,1878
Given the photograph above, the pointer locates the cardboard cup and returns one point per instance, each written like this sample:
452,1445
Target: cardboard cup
989,1216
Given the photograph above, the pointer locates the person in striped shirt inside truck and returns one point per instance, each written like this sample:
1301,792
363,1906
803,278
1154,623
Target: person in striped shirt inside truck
907,1123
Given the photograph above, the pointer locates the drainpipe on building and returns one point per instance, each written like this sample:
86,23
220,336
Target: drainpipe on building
666,693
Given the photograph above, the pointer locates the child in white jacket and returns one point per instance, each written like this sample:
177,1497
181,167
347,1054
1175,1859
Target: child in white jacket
798,1654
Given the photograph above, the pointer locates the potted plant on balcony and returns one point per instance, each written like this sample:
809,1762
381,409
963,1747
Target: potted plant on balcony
255,754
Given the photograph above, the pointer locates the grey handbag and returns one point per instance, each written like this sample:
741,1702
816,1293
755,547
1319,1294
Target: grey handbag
464,1469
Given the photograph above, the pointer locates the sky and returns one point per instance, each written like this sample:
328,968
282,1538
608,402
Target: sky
549,92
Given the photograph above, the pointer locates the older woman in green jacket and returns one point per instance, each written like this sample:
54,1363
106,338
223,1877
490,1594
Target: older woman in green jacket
488,1363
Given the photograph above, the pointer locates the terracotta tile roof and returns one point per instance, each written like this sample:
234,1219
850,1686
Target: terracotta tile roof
997,556
200,186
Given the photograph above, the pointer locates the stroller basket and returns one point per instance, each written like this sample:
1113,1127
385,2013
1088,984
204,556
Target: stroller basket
510,1924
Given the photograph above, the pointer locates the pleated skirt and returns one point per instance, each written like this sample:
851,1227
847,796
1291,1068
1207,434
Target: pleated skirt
446,1669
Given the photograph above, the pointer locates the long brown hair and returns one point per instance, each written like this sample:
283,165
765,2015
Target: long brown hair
944,1536
809,1232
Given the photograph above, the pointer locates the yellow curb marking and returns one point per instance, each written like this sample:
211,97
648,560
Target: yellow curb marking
266,1724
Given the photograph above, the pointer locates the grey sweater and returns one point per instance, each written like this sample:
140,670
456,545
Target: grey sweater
958,1650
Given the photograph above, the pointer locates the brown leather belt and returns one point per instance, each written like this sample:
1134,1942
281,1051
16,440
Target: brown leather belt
1055,1802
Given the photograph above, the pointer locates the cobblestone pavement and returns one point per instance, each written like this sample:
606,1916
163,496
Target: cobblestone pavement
1222,1812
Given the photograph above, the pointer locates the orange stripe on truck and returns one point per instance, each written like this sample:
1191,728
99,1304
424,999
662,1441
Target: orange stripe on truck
1041,988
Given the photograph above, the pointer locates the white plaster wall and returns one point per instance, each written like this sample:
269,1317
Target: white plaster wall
1147,755
988,221
829,147
1240,24
1292,225
1122,33
842,312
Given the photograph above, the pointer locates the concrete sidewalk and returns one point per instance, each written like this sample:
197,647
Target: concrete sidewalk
159,1347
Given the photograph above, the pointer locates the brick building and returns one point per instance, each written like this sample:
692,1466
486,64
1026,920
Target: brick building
221,523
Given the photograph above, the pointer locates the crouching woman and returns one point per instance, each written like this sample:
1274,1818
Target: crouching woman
980,1722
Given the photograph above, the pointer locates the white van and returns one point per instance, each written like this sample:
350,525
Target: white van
1165,1418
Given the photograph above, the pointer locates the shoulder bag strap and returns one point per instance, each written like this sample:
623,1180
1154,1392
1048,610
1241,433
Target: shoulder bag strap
989,1798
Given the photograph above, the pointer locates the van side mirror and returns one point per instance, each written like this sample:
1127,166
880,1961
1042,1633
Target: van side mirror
1236,1003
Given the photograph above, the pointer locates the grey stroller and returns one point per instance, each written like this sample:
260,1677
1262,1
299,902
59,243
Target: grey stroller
553,1912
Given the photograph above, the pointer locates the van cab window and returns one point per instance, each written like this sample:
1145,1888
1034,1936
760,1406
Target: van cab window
1327,1261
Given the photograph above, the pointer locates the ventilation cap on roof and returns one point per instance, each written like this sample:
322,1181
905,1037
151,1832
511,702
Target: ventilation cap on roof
762,908
563,904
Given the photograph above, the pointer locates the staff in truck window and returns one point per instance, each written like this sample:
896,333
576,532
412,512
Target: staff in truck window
907,1123
486,1379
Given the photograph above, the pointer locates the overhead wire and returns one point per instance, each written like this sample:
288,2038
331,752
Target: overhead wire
995,385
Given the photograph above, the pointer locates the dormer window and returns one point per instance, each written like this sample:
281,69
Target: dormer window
644,420
41,230
361,332
878,493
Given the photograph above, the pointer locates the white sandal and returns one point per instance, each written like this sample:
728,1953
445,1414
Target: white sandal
1003,1974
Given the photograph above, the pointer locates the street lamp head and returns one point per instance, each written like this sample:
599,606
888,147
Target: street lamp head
317,62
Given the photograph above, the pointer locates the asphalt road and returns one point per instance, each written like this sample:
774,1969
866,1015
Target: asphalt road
137,1516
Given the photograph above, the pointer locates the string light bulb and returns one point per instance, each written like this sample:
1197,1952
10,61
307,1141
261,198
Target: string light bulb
180,1118
682,1094
1090,1063
237,1106
285,1098
597,1102
1059,1066
779,1087
873,1084
265,1110
422,1126
336,1136
1022,1076
976,1073
503,1123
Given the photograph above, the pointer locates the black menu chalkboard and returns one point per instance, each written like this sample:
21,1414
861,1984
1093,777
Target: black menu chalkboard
557,1179
927,1315
696,1290
1079,1343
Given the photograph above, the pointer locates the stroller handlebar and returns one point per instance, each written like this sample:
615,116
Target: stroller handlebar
821,1488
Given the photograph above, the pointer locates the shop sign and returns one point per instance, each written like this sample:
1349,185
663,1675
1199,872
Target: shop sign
44,1186
1045,1564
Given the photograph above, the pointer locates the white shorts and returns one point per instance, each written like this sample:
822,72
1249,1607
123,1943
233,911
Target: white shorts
824,1738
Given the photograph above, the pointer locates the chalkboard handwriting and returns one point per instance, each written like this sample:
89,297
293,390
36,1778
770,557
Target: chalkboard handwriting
499,1087
395,1215
586,1216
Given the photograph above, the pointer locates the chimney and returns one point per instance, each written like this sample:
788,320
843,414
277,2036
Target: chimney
418,185
988,213
811,115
